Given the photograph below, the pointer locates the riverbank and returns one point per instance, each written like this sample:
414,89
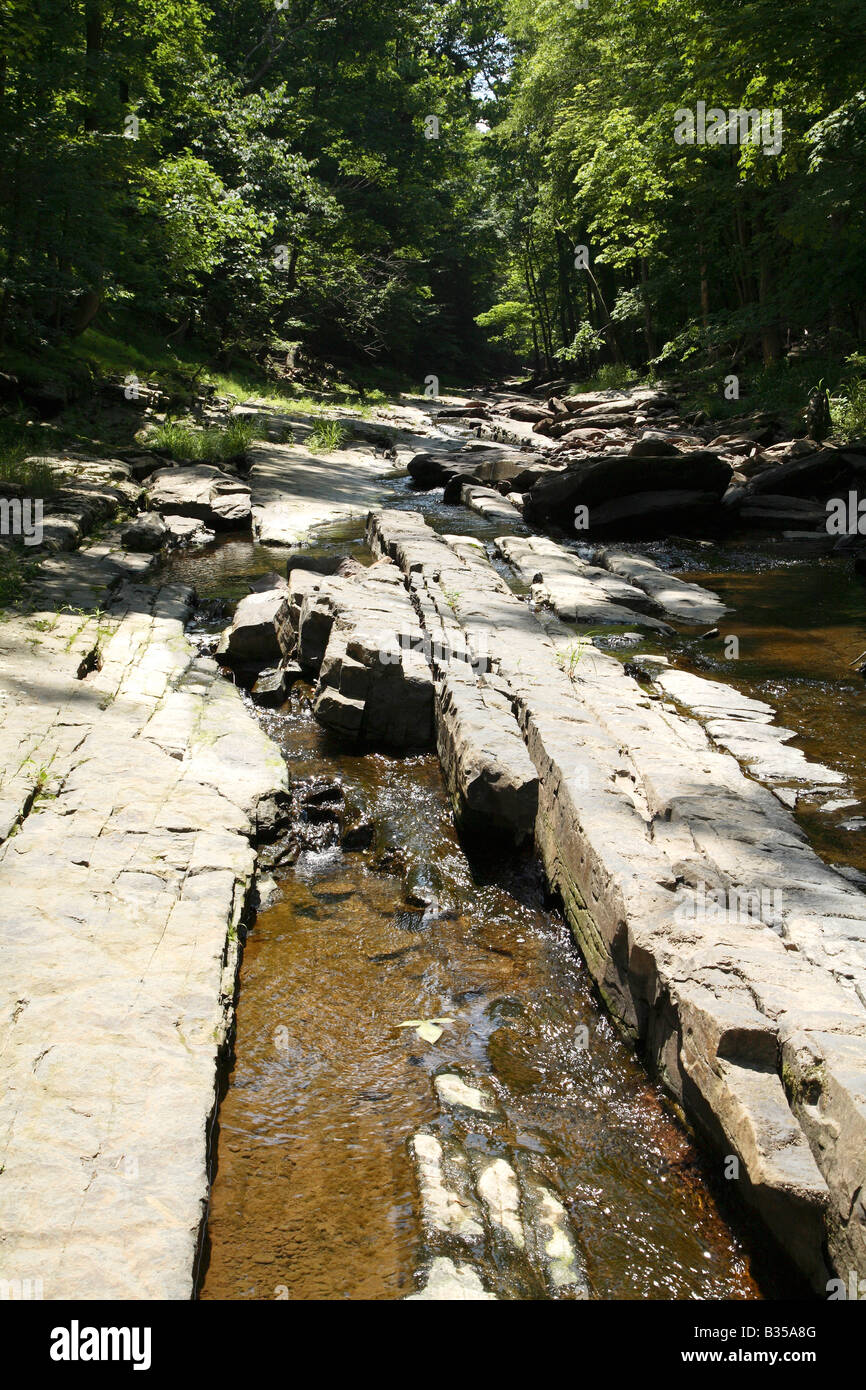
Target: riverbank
640,811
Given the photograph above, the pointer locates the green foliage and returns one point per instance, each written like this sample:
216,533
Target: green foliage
848,406
509,323
278,189
704,254
280,196
19,467
211,445
611,376
326,436
586,343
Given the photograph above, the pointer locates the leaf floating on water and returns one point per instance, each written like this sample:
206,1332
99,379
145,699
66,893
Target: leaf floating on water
429,1032
428,1029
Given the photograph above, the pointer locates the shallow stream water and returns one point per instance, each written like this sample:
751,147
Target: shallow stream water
314,1195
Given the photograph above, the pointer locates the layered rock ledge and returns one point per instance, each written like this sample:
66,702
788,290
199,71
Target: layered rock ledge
136,784
727,950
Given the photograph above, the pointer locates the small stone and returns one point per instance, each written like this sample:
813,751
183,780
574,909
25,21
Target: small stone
452,1283
452,1090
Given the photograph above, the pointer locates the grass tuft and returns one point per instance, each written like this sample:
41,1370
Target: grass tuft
211,445
17,465
326,436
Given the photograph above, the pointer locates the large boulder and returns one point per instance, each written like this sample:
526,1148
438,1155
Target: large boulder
632,492
824,473
769,510
375,683
654,513
200,490
147,531
186,530
530,413
471,465
260,634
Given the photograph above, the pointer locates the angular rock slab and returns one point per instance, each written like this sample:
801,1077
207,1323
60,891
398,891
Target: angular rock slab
755,1023
490,776
690,603
742,726
123,890
577,592
201,491
375,683
294,492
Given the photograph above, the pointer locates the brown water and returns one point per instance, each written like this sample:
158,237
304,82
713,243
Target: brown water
314,1196
800,624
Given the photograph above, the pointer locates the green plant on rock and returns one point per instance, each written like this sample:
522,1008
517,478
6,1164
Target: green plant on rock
451,596
567,658
326,436
15,572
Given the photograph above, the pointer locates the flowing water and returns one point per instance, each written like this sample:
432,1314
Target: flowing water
314,1195
314,1191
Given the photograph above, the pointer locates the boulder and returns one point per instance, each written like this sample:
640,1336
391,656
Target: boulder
147,531
314,564
186,530
430,470
585,437
472,412
653,447
260,633
655,513
202,491
530,413
825,473
375,683
263,582
619,488
769,509
271,687
452,470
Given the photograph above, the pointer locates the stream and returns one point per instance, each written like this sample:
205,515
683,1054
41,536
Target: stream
314,1195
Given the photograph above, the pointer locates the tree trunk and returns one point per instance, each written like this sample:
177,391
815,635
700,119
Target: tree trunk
648,333
607,327
771,339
